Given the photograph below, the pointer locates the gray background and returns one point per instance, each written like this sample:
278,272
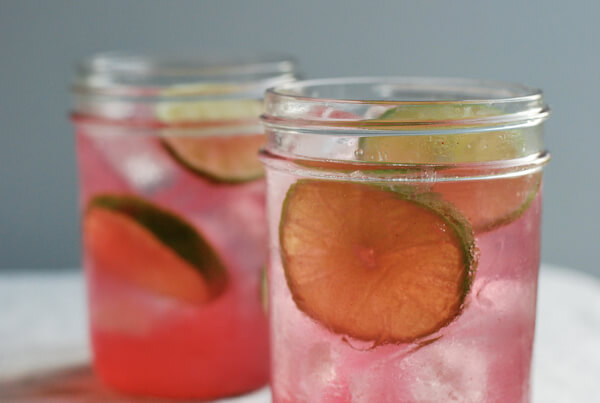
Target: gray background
549,44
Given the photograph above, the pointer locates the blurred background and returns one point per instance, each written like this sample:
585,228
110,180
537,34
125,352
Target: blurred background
552,45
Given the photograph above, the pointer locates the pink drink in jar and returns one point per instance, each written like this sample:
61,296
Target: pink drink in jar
404,239
173,224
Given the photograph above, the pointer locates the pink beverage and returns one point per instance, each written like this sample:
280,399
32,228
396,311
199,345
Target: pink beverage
173,222
404,239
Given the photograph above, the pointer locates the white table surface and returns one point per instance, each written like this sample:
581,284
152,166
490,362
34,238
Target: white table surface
43,327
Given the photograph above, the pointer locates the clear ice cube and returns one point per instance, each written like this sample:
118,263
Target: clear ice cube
139,158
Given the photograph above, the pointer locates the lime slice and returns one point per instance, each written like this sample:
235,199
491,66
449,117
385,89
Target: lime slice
231,159
453,148
374,264
175,113
152,248
194,112
489,204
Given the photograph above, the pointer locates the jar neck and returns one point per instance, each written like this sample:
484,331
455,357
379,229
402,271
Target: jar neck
122,87
404,121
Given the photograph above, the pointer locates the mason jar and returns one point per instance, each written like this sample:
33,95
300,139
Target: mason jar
172,199
404,222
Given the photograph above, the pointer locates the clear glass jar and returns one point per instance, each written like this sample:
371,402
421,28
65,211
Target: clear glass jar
172,201
404,221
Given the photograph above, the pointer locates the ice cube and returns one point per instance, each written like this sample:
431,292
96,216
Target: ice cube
139,158
319,368
447,371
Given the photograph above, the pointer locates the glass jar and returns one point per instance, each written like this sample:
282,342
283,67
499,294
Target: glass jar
172,202
404,221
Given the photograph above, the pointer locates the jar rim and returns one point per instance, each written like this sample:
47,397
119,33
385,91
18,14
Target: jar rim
148,75
510,105
519,92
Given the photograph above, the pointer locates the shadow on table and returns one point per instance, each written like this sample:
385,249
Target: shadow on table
69,385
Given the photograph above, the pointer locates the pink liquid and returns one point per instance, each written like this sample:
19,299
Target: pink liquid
484,355
151,344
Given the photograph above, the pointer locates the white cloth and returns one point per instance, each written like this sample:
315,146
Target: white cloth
43,326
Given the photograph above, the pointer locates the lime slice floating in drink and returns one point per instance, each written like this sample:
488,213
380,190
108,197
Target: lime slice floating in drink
229,158
375,264
487,204
434,149
202,111
152,248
